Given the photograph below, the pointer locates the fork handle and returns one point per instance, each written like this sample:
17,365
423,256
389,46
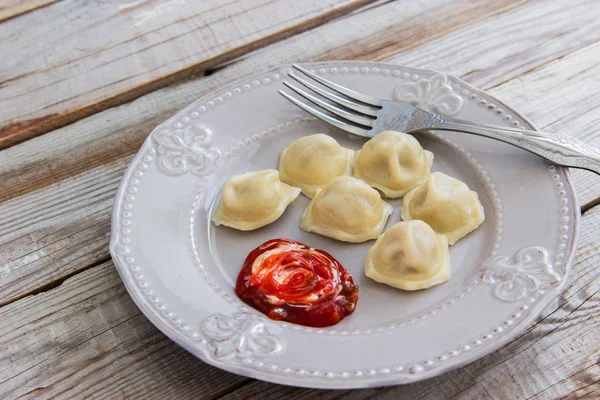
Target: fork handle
562,150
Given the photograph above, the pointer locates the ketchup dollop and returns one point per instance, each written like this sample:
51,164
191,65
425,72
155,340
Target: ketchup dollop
289,281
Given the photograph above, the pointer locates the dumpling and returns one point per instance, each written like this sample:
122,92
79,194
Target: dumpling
446,204
312,161
394,163
253,200
346,209
409,256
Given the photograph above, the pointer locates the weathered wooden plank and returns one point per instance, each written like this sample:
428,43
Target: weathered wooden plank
558,356
72,233
87,339
12,8
500,48
77,58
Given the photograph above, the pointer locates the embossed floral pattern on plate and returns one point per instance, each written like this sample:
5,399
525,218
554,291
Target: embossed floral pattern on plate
431,94
187,149
242,335
529,271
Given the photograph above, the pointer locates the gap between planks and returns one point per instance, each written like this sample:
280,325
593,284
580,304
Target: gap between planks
54,284
588,206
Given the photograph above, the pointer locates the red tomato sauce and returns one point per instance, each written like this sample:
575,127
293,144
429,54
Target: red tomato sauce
288,281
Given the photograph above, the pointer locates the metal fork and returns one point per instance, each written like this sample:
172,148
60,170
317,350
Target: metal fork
367,116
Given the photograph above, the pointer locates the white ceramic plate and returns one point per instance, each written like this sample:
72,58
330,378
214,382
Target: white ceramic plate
180,269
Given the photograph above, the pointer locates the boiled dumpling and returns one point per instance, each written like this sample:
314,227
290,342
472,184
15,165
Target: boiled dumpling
394,163
446,204
409,256
253,200
312,161
346,209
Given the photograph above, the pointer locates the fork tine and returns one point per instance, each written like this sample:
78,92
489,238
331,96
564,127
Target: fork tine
340,89
361,108
331,120
365,121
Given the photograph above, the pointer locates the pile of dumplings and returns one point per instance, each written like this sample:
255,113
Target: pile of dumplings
346,189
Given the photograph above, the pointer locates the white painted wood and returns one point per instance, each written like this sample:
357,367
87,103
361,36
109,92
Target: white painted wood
77,58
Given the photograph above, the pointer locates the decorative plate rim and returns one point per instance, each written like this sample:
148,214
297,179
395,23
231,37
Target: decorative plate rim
203,353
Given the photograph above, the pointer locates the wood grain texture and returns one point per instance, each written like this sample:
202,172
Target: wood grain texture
39,245
86,338
78,58
12,8
502,47
72,227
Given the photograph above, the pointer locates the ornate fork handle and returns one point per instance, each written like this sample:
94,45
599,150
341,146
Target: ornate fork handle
563,150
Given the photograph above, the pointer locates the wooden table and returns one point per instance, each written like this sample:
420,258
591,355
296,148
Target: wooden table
82,83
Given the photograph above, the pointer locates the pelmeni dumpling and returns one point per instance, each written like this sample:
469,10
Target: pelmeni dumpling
346,209
253,200
409,256
312,161
394,163
446,204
